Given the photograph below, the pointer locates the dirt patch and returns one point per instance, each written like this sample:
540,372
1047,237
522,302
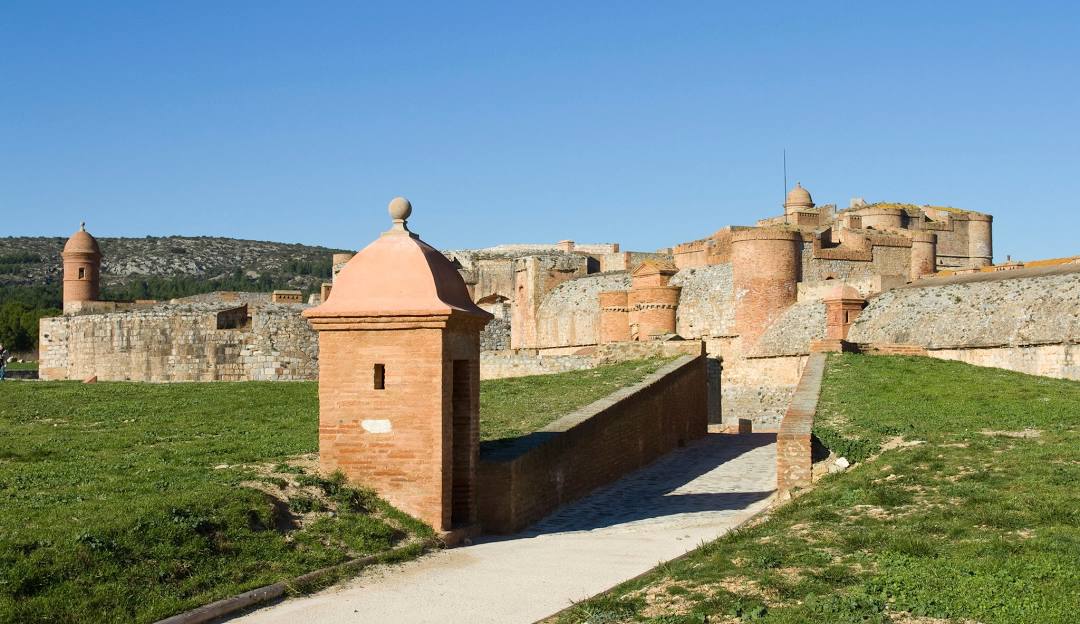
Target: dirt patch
660,601
964,471
899,442
1023,433
907,618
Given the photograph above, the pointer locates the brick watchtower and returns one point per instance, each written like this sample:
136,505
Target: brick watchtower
82,269
766,265
399,377
652,301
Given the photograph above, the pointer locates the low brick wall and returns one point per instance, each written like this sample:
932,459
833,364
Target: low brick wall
793,443
521,482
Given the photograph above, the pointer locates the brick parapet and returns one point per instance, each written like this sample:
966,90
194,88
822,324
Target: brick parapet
794,461
524,481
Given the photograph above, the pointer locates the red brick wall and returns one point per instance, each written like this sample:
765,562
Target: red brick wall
654,309
520,484
86,288
614,317
404,464
765,273
793,447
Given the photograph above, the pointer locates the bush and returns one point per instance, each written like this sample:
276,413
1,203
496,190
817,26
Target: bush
19,325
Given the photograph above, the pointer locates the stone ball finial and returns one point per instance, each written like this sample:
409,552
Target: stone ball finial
400,209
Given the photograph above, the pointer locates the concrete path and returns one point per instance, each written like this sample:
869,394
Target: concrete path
655,514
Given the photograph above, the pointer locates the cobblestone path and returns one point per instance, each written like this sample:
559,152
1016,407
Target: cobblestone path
689,496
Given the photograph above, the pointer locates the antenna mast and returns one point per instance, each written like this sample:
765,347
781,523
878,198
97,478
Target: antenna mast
785,175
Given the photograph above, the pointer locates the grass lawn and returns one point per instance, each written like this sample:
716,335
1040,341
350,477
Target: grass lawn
513,407
974,516
131,502
22,366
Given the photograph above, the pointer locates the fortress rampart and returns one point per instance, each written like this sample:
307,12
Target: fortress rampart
752,295
192,342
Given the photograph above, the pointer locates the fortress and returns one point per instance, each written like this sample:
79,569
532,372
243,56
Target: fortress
756,299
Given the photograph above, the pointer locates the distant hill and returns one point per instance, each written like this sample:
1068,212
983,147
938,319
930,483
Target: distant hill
162,267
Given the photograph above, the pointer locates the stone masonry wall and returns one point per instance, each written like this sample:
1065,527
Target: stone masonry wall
502,364
496,335
570,314
522,482
1026,320
888,261
706,302
759,389
179,343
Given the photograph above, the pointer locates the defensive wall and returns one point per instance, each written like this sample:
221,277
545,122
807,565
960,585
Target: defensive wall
522,362
522,481
1026,320
181,342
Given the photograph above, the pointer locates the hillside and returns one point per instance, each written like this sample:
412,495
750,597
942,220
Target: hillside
160,267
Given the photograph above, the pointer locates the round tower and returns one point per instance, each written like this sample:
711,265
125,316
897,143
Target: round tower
82,268
798,199
882,218
980,239
923,254
655,309
766,264
614,317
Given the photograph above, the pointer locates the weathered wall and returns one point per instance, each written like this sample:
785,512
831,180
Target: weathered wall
522,482
179,343
1060,360
495,335
706,303
1026,320
887,261
570,314
502,364
522,362
793,331
759,389
794,450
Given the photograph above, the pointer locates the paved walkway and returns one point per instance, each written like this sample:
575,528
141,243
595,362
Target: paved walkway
655,514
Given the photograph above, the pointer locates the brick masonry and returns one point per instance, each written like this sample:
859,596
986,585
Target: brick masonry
524,481
793,442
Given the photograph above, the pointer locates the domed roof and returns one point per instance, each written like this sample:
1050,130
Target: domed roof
398,274
82,242
799,196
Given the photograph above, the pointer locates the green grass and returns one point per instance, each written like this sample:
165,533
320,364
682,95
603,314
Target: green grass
966,520
123,502
22,366
130,502
513,407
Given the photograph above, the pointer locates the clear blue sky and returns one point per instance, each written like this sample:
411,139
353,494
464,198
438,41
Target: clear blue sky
644,123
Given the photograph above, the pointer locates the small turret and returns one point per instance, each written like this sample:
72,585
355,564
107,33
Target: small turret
82,269
798,199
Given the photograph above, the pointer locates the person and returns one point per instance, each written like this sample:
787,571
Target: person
3,362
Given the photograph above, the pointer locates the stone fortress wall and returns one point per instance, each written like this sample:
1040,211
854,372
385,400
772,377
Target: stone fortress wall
181,342
751,297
